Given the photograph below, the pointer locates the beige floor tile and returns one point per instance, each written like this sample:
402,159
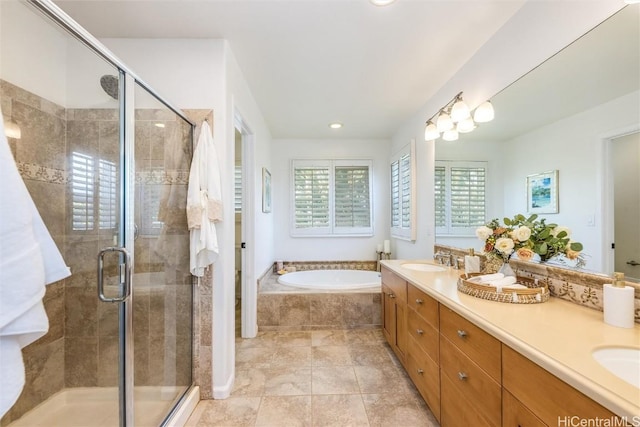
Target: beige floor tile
334,380
284,411
293,339
382,379
393,410
232,412
249,382
369,354
292,357
254,358
330,356
288,382
322,338
364,336
268,339
338,410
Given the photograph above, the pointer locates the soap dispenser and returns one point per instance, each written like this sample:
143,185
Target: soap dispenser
618,302
471,263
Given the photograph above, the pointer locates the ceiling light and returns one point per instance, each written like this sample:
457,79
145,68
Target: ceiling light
381,2
450,135
12,130
159,125
431,131
631,1
484,113
466,125
444,122
460,110
335,125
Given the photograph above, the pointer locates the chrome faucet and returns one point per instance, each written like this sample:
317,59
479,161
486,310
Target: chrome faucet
443,258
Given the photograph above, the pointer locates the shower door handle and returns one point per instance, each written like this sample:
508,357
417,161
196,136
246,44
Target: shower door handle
126,283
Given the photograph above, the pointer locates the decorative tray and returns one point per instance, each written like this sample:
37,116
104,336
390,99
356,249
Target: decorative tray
535,293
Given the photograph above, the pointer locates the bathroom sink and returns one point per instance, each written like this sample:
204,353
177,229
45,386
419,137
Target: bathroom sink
423,267
623,362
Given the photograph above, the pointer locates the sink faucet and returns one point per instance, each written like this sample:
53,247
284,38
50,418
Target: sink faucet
443,258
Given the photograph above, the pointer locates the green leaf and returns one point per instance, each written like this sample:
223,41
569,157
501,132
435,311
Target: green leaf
507,221
575,246
532,218
542,249
544,233
520,217
561,235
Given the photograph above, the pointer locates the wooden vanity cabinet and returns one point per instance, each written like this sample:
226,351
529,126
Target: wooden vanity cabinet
394,312
545,396
423,352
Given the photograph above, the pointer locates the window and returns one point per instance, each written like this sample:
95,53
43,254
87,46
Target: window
331,197
402,193
84,197
459,197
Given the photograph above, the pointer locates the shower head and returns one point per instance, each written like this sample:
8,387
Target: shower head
110,85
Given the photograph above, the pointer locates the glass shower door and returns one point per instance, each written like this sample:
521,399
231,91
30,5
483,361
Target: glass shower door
162,290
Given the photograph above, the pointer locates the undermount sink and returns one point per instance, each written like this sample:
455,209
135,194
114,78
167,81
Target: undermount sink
623,362
423,267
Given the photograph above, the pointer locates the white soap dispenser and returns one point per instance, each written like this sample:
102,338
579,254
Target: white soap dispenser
618,302
471,262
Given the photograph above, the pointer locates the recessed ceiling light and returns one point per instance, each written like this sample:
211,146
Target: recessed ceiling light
335,125
381,2
159,125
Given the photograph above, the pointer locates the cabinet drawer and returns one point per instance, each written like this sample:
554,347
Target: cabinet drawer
548,397
425,374
424,305
397,284
481,393
455,410
481,347
424,335
515,414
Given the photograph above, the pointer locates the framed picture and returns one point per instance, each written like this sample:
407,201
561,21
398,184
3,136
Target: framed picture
542,192
266,190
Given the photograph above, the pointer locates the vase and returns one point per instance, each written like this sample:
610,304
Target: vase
506,269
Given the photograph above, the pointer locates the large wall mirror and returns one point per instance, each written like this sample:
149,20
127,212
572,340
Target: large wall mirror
578,113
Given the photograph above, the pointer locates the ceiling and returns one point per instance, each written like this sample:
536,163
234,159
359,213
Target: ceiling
312,62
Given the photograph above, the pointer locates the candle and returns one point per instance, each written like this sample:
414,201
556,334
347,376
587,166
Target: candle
379,249
387,247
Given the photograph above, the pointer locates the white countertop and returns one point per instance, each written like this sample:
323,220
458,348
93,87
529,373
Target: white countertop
557,335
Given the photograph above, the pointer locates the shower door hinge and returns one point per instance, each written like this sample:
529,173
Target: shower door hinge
243,245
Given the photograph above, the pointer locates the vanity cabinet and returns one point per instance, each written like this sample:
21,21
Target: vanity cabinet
545,397
470,372
394,312
423,352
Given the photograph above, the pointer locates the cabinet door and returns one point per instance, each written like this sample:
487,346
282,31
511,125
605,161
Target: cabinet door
515,414
388,315
401,329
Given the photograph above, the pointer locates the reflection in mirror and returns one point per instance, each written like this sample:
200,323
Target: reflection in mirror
566,115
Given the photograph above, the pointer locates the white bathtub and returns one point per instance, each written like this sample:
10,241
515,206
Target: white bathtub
332,279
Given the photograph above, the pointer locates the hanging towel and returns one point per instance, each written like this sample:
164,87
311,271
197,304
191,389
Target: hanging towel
204,203
29,259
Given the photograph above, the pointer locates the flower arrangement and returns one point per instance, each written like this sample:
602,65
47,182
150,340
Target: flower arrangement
527,237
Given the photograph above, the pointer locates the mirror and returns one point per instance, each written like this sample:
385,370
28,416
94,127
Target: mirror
565,115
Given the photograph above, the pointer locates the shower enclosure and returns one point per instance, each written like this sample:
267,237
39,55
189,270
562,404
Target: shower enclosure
106,162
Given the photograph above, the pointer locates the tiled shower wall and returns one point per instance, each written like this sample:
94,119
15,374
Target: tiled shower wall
80,348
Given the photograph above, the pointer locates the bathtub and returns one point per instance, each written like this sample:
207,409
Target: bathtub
337,280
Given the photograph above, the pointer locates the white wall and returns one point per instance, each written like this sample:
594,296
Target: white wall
537,31
573,147
328,248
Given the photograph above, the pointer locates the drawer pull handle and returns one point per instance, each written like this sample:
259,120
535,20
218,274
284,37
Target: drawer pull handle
419,331
420,371
461,333
392,296
419,301
462,376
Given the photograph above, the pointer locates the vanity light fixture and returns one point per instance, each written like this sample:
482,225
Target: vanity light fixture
12,130
455,118
335,125
632,1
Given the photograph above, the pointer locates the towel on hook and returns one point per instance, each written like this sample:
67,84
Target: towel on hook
204,203
29,259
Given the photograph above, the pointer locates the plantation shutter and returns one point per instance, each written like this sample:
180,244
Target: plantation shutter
82,193
467,197
440,196
311,197
352,204
238,188
107,195
405,178
395,194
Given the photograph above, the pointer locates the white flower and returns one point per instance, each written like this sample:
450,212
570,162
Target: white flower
522,233
505,245
483,232
559,229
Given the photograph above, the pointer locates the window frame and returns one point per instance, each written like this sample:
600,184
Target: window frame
448,230
401,231
331,230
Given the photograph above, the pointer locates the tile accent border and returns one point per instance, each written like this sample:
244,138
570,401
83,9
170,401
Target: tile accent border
575,286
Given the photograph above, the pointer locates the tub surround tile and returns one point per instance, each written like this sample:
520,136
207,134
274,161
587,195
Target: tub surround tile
82,354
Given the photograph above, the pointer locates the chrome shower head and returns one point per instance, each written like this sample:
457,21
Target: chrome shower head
110,85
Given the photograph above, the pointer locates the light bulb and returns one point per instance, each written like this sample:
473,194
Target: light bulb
444,122
484,113
466,125
431,132
460,111
12,130
450,135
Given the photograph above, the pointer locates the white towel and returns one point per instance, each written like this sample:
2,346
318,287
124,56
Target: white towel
29,259
204,203
500,283
486,278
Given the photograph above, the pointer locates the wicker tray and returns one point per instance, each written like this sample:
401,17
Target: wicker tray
533,295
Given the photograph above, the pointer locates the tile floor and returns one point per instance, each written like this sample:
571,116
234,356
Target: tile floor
317,378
